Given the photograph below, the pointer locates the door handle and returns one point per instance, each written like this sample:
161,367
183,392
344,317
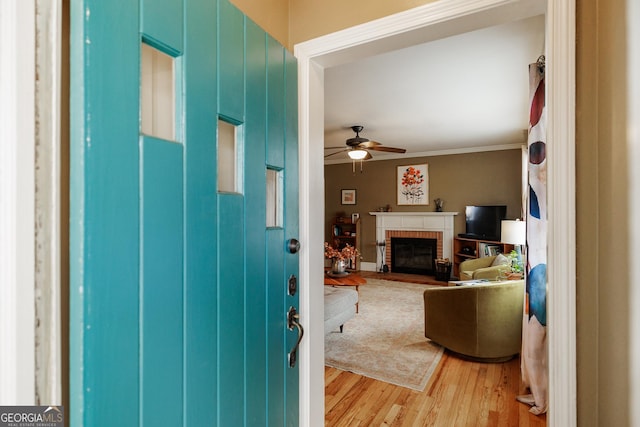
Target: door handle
292,322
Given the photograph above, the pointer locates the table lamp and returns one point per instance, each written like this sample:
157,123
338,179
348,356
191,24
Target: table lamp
515,232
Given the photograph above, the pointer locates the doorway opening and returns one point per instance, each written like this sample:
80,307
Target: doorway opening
402,30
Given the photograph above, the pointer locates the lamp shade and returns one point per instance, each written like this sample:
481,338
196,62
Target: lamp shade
514,232
357,154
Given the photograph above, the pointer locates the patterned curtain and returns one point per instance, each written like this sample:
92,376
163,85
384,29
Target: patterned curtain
534,355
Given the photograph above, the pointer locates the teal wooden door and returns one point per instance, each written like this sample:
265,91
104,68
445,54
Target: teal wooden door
180,267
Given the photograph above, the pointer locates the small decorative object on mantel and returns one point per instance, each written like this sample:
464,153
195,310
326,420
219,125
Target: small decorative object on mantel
439,204
340,259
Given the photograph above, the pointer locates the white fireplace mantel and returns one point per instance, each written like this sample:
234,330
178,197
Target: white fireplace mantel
416,221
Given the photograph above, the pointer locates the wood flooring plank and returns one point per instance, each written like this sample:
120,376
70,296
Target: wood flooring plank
404,401
377,393
390,418
361,399
466,402
423,409
347,403
339,388
384,409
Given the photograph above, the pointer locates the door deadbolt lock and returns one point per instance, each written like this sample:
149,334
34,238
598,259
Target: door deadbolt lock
293,246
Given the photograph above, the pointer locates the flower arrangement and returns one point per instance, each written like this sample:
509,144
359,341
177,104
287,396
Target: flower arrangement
348,252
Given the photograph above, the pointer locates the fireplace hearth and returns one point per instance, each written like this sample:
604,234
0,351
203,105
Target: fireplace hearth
413,255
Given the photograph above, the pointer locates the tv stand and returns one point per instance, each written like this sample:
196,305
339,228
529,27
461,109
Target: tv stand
465,248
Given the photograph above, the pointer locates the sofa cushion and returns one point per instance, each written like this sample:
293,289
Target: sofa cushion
501,260
338,300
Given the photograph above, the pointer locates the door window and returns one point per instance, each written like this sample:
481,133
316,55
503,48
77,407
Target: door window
157,94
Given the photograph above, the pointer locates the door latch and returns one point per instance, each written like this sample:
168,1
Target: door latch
292,322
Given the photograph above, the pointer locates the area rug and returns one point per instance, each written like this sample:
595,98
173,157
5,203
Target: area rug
385,340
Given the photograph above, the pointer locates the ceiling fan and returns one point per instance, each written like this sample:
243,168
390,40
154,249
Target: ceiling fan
358,147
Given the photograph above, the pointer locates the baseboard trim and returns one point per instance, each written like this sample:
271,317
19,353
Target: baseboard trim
368,266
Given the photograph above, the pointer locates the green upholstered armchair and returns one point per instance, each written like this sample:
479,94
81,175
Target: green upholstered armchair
482,268
482,322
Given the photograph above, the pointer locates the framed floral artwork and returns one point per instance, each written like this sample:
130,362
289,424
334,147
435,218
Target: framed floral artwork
413,185
348,197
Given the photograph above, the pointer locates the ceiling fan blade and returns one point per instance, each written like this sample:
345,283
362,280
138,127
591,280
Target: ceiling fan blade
334,148
388,149
368,144
337,152
368,156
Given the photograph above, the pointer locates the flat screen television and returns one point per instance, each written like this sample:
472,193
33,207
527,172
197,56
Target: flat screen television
484,222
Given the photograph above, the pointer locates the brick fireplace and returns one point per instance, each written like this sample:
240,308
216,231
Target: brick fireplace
421,225
390,234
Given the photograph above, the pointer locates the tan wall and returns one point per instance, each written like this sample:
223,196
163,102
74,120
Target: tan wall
312,18
292,22
491,178
271,15
602,216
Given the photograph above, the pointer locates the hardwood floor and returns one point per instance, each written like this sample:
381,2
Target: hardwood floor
460,393
402,277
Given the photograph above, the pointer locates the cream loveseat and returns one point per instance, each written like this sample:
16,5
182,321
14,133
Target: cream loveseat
482,321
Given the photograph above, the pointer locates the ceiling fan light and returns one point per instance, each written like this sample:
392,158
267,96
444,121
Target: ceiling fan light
357,154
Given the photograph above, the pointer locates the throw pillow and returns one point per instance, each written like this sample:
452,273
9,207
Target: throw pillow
501,260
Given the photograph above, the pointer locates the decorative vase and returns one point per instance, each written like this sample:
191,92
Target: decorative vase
338,266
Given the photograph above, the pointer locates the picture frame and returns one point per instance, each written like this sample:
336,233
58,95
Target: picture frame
355,217
348,197
413,184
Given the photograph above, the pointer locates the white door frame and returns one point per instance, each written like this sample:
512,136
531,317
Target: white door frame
17,194
401,30
30,42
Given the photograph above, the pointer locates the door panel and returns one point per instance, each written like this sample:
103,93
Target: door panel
104,219
231,66
163,20
201,214
255,183
276,363
179,292
291,218
275,102
161,308
231,308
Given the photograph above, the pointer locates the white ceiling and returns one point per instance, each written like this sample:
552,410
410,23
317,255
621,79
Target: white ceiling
462,93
